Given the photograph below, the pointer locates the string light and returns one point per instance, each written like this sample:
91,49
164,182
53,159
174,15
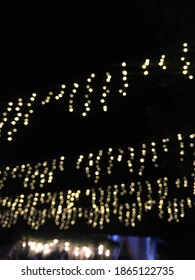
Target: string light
72,249
105,91
162,62
145,66
134,162
32,175
128,200
88,99
16,114
186,63
76,98
125,84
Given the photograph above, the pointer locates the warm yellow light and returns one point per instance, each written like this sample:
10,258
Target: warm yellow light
105,108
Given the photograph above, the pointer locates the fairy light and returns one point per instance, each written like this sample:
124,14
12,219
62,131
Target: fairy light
73,249
145,66
162,62
181,144
88,94
154,154
18,112
72,97
186,64
100,164
31,175
105,92
125,84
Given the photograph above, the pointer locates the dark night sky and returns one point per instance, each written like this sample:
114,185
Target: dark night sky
43,45
47,44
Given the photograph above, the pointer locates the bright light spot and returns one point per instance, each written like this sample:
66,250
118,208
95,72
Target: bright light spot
76,251
87,252
147,62
124,72
105,108
107,253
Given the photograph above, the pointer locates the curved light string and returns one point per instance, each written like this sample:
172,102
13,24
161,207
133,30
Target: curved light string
170,155
93,94
167,192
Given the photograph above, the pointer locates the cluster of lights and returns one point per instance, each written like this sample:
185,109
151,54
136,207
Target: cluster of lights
64,249
15,114
47,98
72,97
125,84
87,103
135,161
99,206
105,92
32,176
18,112
162,62
186,63
145,66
